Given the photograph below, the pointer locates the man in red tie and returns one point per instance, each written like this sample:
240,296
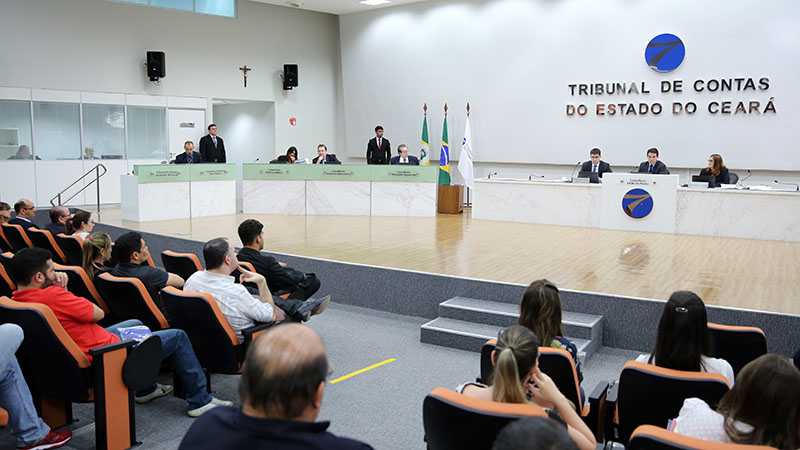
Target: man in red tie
379,150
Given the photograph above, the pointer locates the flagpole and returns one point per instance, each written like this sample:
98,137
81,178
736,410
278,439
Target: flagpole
467,203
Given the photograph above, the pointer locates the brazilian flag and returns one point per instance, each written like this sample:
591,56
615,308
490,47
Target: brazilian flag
444,157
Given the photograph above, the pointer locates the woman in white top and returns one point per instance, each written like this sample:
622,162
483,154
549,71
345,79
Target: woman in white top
82,224
683,341
762,409
516,361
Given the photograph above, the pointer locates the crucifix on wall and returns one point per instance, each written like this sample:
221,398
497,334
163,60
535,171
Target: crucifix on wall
244,70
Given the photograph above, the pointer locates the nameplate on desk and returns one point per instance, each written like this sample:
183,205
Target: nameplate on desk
161,173
637,182
260,171
405,173
212,172
340,172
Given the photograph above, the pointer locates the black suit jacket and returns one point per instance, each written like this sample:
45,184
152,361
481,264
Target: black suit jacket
209,153
724,176
196,157
658,169
278,277
55,228
602,167
23,223
330,158
377,155
412,160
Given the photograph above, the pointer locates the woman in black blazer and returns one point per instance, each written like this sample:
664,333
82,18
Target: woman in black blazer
718,169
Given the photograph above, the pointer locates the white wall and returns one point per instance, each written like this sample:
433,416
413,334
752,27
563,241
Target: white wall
249,134
98,45
513,59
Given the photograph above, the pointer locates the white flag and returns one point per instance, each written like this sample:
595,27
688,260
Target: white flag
465,159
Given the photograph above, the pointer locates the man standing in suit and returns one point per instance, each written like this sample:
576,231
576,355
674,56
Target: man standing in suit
379,150
404,158
189,156
653,165
212,149
323,157
595,164
25,213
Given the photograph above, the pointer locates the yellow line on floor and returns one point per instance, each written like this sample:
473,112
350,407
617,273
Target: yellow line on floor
349,375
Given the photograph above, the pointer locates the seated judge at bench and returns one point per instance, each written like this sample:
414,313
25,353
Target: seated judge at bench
324,157
189,156
290,157
403,156
595,165
653,165
718,170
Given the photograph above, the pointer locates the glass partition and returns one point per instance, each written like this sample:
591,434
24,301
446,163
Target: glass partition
225,8
57,133
103,132
147,133
185,5
15,130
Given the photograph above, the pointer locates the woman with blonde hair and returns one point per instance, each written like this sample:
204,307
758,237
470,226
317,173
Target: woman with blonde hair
516,364
96,251
718,170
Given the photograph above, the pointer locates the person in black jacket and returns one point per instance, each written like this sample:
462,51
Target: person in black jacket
653,165
718,169
280,277
595,164
189,156
379,150
323,157
26,212
212,148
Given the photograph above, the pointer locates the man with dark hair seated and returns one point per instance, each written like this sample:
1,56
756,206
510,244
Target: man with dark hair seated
279,276
281,387
26,426
58,220
133,252
534,433
240,308
37,282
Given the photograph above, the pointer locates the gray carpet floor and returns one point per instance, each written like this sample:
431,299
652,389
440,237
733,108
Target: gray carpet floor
382,406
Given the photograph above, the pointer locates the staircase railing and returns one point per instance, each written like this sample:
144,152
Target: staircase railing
95,180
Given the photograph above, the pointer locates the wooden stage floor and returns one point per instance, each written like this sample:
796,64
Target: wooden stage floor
741,273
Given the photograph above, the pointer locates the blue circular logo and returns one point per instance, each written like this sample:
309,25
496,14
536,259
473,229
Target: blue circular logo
664,53
637,203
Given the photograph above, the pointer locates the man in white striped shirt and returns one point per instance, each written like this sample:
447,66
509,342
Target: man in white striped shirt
237,305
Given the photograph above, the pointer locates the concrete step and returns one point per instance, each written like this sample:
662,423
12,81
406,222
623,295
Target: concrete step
582,326
471,336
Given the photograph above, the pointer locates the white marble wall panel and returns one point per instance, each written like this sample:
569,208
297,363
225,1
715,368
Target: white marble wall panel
338,198
391,198
148,202
274,196
213,198
535,202
109,183
54,176
662,189
742,214
17,180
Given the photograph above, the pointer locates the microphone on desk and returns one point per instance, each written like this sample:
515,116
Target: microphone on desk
749,174
573,171
797,186
533,175
490,175
257,159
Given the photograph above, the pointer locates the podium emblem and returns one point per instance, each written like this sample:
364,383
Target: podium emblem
637,203
664,53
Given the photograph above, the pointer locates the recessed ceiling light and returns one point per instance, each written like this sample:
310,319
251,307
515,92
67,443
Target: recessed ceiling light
374,2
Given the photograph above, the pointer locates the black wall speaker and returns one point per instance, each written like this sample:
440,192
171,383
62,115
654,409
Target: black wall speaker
289,76
156,65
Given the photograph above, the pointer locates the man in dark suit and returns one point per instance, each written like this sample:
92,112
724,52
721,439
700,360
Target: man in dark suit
323,157
58,220
379,150
25,213
653,165
189,156
212,149
595,164
403,157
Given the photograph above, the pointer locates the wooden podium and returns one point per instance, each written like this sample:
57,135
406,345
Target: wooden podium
450,199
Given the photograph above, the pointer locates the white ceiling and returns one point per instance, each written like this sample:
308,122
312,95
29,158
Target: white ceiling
337,7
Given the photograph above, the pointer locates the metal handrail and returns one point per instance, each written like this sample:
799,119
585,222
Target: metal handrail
96,179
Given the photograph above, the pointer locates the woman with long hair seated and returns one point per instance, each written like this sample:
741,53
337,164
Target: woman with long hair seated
762,409
718,169
540,312
96,251
683,341
516,363
82,224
